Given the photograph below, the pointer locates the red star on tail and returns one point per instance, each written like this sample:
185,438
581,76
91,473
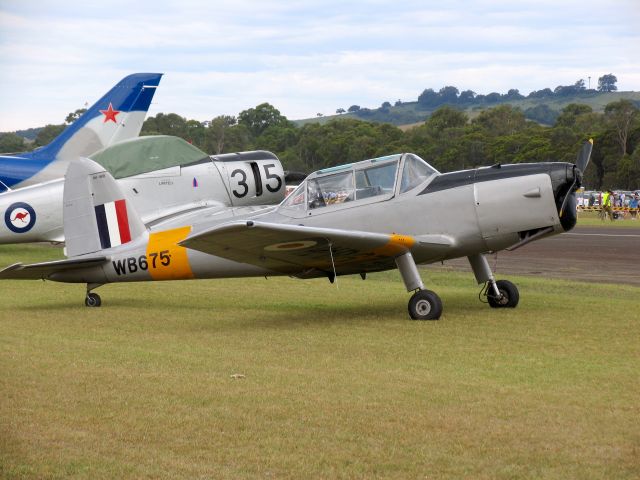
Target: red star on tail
110,114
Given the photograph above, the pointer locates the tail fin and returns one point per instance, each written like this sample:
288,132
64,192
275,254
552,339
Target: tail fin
117,116
96,213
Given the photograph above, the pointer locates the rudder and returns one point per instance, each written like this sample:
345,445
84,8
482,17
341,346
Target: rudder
117,116
96,213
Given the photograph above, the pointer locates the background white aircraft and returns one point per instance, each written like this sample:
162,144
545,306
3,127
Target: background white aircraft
161,176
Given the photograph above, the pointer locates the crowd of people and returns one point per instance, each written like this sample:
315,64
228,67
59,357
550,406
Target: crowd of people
609,199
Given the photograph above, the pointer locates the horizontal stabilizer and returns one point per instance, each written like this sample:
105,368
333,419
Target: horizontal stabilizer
305,251
36,271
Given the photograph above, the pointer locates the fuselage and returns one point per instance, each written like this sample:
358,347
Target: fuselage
35,213
479,210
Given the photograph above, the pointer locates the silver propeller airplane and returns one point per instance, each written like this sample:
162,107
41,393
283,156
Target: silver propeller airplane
379,214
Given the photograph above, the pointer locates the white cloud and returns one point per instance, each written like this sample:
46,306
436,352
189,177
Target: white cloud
304,57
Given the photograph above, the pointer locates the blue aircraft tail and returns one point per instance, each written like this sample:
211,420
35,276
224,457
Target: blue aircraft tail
117,116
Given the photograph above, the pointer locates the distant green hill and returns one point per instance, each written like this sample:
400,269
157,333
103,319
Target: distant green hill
543,110
29,134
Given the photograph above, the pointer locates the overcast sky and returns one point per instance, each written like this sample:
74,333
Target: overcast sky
303,57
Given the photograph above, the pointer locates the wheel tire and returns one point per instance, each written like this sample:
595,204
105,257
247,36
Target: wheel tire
425,305
92,300
510,295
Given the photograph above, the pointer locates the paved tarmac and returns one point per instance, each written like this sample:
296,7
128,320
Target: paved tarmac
592,254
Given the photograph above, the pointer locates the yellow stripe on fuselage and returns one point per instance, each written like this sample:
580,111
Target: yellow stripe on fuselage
166,259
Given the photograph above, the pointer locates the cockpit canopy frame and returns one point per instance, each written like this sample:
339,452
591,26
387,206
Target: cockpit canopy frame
373,180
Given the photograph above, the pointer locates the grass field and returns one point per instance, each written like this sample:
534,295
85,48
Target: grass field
333,382
591,219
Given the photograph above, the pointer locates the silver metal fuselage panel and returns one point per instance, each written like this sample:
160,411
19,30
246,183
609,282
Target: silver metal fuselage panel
475,216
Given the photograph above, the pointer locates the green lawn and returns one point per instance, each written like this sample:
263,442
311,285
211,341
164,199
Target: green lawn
591,219
338,383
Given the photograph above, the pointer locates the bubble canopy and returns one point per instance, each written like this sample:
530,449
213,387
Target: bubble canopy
377,178
146,154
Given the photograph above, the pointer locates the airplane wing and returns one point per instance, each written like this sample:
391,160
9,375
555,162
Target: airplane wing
308,252
36,271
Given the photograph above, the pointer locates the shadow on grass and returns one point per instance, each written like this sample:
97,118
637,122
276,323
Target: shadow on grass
242,309
209,316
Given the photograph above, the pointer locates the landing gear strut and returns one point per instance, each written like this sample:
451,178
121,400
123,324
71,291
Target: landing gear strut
92,299
501,293
424,304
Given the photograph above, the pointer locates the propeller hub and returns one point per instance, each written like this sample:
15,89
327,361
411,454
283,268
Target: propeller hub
566,178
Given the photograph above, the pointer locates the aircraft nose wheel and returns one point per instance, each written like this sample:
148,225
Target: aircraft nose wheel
92,300
425,305
509,295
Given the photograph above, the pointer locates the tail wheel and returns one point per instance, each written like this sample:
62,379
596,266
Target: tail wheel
425,305
92,300
509,295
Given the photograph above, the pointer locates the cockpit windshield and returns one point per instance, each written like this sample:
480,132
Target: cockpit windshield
296,198
415,172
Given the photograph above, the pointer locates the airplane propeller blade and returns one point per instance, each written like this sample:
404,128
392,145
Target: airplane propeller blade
584,155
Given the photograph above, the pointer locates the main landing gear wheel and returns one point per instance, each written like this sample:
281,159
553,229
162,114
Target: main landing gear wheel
425,305
92,300
509,295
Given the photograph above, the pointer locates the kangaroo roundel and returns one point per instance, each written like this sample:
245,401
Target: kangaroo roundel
20,217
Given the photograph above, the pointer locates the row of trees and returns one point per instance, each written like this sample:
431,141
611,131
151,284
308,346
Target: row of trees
449,140
11,142
452,96
429,100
